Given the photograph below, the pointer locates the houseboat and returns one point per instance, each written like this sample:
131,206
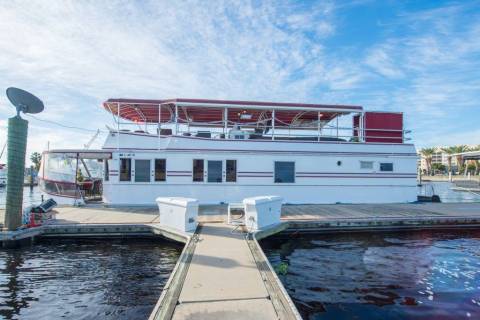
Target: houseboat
221,151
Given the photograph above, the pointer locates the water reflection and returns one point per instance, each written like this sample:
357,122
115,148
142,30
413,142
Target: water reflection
29,196
111,279
415,275
443,189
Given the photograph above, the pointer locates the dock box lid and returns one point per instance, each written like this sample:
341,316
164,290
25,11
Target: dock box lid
261,199
178,201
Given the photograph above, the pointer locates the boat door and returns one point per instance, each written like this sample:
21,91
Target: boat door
214,171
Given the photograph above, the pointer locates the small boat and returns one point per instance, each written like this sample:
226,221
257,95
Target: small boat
3,175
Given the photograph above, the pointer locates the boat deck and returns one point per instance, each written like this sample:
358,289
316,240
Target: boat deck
312,212
379,211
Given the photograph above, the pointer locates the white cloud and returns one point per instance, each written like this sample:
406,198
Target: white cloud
74,55
380,61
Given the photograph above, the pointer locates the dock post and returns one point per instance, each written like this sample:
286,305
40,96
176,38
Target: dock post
17,147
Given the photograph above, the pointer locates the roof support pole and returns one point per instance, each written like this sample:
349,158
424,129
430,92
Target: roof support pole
273,124
118,126
319,127
77,190
337,124
159,127
176,119
363,127
225,121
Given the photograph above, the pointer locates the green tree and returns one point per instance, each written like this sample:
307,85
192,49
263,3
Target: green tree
476,163
427,154
459,158
438,167
449,151
36,159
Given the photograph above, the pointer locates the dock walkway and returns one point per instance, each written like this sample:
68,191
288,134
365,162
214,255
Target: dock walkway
223,281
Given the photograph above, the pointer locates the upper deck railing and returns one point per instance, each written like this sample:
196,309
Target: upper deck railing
220,119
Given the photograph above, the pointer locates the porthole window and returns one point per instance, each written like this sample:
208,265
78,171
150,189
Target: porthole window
339,163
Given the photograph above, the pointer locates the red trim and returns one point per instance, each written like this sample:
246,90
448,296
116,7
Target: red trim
229,102
61,195
259,172
250,176
56,181
364,173
367,177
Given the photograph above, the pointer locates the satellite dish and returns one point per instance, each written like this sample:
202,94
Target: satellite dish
24,101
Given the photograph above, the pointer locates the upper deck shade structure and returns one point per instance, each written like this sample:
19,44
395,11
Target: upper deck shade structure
469,155
202,111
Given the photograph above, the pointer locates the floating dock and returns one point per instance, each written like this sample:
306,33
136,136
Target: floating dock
222,272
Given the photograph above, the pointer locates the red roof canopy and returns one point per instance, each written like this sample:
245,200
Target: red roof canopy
202,111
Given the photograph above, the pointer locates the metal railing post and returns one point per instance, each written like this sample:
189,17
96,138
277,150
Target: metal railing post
273,124
118,125
176,119
319,127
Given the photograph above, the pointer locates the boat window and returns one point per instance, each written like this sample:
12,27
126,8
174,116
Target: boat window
106,173
125,169
284,172
142,170
231,171
386,166
366,164
215,171
197,170
160,169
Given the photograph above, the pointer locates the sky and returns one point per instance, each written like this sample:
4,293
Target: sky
421,58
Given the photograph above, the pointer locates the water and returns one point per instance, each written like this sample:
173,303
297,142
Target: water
102,279
409,275
443,190
29,197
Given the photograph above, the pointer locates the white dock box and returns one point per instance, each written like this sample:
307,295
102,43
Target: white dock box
179,213
262,211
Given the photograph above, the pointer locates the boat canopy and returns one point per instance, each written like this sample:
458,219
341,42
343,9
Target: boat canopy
207,112
469,155
81,153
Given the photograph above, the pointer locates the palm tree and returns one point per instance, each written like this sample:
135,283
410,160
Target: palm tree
449,151
427,154
459,158
476,162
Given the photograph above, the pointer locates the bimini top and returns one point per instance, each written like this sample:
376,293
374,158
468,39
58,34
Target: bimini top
202,111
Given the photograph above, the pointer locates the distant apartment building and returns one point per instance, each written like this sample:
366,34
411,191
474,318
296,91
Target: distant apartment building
438,157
